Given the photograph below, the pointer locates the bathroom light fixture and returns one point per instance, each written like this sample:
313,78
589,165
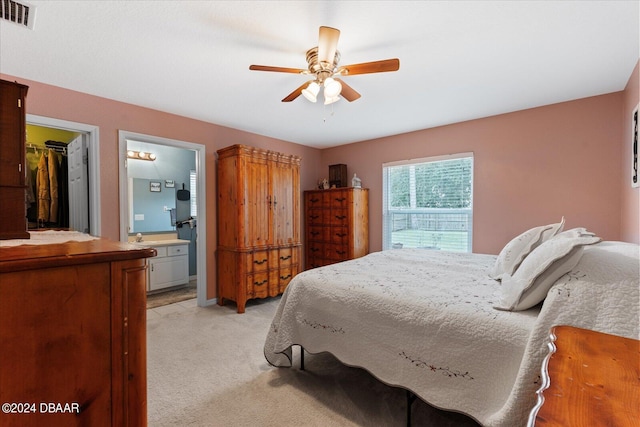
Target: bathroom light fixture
140,155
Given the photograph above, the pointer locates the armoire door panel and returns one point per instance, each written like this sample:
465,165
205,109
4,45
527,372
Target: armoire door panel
257,204
284,201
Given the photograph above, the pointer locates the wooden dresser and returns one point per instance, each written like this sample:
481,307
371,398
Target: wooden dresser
258,223
589,379
13,209
336,224
73,334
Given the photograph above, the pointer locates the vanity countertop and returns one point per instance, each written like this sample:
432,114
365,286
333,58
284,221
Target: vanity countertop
156,243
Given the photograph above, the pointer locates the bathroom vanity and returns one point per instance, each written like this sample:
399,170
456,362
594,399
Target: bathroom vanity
170,267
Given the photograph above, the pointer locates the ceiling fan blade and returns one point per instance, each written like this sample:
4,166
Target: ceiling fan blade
370,67
348,92
277,69
296,93
327,44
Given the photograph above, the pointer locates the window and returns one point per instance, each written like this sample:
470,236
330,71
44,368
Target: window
428,203
192,190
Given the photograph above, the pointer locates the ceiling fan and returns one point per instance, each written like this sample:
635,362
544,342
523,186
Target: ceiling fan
323,66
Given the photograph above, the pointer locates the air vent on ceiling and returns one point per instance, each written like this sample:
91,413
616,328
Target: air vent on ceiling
20,13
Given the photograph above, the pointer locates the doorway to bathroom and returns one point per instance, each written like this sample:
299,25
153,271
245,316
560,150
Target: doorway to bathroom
162,194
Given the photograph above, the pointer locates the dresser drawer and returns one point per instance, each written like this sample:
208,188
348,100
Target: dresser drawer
313,200
336,252
339,199
316,216
315,249
339,235
338,217
315,233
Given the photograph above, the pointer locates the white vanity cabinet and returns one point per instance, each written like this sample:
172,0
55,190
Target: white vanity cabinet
170,267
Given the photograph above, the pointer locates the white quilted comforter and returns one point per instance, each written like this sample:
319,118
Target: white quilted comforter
424,320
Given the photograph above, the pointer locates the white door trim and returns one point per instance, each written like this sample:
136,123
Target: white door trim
201,189
93,140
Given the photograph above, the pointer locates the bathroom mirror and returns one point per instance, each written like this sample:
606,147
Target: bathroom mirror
150,205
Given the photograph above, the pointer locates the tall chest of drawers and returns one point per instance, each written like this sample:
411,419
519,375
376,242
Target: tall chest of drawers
336,225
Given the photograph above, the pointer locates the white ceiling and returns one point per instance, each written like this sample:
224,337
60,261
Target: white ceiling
459,60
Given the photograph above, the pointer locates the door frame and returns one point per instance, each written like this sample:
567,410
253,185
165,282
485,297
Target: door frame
201,189
92,134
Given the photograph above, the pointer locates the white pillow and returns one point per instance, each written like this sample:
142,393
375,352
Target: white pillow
554,230
542,268
518,248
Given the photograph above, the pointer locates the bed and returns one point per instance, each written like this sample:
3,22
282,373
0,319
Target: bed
446,327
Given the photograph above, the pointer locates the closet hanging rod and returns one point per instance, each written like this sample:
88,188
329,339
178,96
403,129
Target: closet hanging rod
61,150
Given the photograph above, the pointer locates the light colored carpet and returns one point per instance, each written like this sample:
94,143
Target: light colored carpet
206,368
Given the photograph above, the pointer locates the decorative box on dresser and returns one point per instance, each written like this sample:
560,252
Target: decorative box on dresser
336,224
73,334
258,223
13,210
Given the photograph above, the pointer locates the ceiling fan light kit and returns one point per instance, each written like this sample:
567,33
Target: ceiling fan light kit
311,92
323,65
332,88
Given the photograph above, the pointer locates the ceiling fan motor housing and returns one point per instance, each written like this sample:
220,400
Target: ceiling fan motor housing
322,70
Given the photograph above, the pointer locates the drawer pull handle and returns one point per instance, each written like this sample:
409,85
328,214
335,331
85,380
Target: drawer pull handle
260,283
340,199
284,258
341,252
314,200
314,233
315,249
285,277
260,262
341,234
341,216
314,216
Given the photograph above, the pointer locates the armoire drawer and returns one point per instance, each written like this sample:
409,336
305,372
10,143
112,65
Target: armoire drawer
257,285
257,261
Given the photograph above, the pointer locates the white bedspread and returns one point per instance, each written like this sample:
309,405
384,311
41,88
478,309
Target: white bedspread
423,320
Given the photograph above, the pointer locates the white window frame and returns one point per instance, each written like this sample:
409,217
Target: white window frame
387,230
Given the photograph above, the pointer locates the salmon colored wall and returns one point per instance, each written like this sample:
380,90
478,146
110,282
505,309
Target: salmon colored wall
530,168
111,116
630,203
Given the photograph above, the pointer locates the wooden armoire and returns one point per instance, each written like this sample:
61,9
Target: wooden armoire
13,209
258,223
336,224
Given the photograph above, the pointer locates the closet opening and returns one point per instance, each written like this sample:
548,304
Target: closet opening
57,179
65,194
